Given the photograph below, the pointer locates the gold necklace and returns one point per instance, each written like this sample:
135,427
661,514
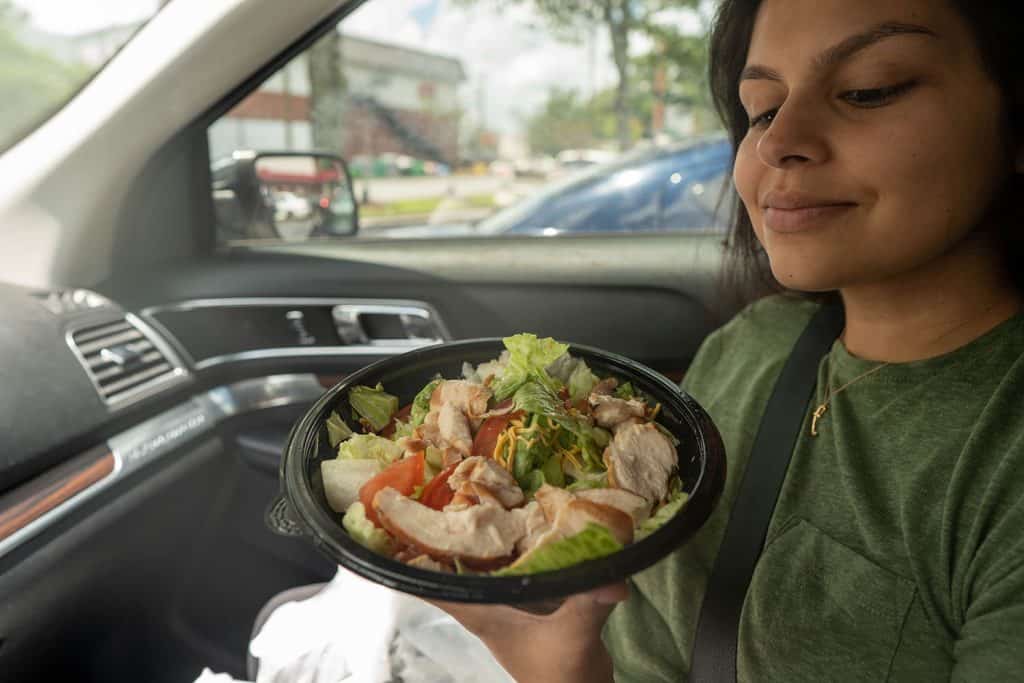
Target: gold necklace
819,412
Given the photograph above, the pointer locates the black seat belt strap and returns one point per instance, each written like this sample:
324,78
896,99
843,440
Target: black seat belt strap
714,650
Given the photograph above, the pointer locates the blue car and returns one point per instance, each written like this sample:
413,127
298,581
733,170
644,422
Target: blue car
653,189
656,189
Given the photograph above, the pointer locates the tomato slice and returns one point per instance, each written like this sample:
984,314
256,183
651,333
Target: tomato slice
403,415
487,436
437,493
403,475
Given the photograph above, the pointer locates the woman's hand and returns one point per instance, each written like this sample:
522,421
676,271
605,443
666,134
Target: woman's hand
562,646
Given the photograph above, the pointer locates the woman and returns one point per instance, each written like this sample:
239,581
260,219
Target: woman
879,151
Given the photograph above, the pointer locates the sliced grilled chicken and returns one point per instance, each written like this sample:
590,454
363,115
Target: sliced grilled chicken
641,459
484,471
471,399
426,562
605,387
610,412
472,493
569,515
454,428
574,518
430,434
477,534
537,525
633,505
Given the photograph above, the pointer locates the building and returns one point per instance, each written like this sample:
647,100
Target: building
398,101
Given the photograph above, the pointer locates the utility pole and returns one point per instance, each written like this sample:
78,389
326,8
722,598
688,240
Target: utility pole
658,82
286,108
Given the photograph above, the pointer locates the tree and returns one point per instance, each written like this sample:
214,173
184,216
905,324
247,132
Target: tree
682,60
622,19
574,18
564,122
327,87
33,83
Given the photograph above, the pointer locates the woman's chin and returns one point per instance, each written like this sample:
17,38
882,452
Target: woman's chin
800,278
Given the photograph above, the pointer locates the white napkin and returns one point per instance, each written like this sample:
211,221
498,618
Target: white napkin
355,631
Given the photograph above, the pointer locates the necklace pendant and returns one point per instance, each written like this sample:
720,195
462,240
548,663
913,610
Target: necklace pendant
818,413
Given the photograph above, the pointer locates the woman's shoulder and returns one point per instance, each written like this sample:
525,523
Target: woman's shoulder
768,323
756,341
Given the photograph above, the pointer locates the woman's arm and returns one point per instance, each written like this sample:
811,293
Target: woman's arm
564,646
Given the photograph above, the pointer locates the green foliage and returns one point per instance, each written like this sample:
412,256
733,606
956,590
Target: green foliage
33,83
568,120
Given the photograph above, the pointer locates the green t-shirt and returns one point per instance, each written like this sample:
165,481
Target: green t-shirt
896,551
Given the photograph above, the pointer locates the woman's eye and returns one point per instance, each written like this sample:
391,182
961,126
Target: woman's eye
763,119
875,97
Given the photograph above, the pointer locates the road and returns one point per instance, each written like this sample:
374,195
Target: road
383,190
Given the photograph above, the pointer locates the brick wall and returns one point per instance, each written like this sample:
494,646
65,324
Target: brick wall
366,133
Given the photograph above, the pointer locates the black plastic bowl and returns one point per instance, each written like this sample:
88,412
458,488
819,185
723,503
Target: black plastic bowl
701,465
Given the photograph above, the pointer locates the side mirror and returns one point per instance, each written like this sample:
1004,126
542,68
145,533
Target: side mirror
307,194
291,196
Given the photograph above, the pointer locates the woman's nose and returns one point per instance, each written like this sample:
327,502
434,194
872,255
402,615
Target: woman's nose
795,135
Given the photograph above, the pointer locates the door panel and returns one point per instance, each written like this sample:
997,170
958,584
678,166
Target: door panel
650,297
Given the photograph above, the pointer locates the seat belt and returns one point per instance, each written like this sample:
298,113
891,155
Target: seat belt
714,649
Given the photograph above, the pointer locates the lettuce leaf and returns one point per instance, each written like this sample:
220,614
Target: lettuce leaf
369,447
421,404
337,430
374,405
581,382
532,453
552,471
593,542
530,483
434,457
343,478
402,429
596,480
538,399
528,359
562,367
664,513
625,391
363,532
534,397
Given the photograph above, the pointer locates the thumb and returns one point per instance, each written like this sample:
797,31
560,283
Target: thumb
611,594
595,605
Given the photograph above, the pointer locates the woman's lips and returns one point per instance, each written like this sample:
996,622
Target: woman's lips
802,218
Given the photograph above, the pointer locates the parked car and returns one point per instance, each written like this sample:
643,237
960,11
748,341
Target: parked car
655,189
288,206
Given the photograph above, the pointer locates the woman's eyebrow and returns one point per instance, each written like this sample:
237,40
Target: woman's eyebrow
843,49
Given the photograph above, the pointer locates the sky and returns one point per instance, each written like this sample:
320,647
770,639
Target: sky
79,16
510,57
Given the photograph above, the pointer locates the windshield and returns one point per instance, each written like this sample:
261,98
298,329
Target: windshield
49,49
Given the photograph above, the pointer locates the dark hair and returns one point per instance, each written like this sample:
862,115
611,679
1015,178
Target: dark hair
996,30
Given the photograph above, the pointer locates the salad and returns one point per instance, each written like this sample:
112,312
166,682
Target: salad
527,463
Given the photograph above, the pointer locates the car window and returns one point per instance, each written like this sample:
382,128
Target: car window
439,130
49,49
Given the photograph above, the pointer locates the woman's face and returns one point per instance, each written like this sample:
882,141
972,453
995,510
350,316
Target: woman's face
876,140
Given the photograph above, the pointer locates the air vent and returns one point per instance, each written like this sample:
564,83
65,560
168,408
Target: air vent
123,359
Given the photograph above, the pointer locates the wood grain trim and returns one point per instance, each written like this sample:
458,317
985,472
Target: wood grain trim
30,501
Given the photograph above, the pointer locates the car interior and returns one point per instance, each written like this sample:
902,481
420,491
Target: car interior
152,369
